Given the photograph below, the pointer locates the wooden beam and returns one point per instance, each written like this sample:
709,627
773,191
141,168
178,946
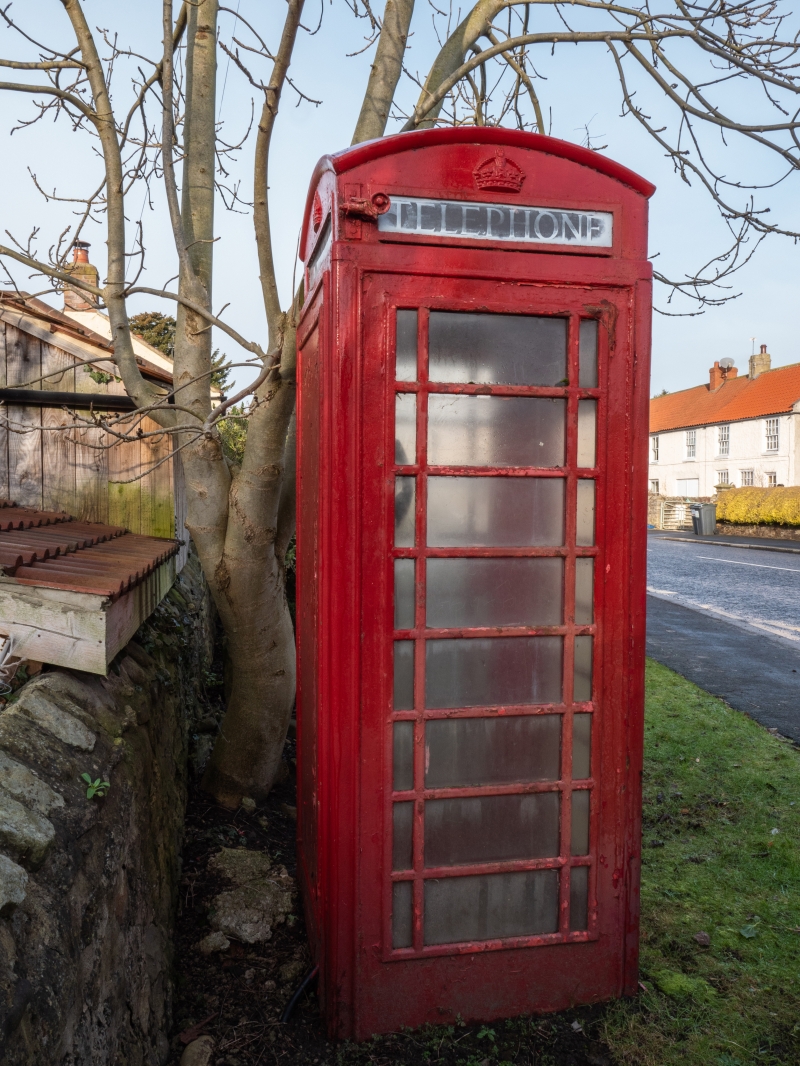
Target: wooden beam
78,630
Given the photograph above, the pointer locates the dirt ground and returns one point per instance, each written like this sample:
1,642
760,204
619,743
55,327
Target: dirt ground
237,997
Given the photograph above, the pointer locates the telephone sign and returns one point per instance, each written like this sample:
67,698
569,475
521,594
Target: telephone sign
472,456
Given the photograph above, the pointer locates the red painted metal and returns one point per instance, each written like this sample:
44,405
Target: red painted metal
357,277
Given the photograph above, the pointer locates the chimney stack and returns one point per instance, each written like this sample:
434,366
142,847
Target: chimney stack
760,363
716,376
78,299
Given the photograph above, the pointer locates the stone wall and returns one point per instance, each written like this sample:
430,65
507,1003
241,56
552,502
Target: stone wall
88,886
730,529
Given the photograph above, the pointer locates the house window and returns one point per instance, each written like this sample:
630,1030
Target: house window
688,486
772,478
724,440
747,478
722,477
691,443
654,487
654,449
771,434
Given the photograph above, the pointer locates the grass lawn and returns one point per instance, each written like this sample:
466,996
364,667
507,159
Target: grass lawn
720,857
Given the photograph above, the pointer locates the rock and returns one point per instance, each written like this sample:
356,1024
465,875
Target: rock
240,865
25,833
13,881
48,716
133,671
291,971
249,913
287,808
25,786
201,749
211,943
248,804
199,1053
261,899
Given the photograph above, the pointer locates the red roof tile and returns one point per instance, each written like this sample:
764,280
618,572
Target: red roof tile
771,393
56,551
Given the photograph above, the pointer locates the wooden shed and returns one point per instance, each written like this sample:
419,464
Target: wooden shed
92,530
50,362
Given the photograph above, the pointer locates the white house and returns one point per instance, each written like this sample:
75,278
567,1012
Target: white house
733,431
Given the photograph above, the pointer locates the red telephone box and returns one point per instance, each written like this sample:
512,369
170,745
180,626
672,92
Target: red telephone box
473,397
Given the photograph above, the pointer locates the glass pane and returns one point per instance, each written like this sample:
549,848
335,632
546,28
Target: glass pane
404,675
579,898
583,669
403,824
493,671
405,428
501,512
406,355
494,592
404,511
491,828
497,349
584,592
402,924
490,906
580,823
587,433
404,594
587,376
584,531
460,752
581,746
495,431
403,755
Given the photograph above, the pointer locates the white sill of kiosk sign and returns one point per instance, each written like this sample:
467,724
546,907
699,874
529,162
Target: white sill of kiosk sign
497,222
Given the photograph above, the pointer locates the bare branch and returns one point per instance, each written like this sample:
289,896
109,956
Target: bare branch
261,220
50,90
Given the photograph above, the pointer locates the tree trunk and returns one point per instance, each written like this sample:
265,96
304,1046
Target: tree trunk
249,589
261,658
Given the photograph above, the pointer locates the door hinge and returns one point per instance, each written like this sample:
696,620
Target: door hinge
366,210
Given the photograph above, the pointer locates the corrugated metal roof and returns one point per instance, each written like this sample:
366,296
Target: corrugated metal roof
771,393
54,550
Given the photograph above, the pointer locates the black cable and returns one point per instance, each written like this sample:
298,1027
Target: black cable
308,980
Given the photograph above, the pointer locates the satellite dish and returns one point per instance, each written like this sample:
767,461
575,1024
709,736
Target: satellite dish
726,363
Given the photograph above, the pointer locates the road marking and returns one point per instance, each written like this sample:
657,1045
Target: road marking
761,566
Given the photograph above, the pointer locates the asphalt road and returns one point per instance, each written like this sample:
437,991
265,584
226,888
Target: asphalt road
728,618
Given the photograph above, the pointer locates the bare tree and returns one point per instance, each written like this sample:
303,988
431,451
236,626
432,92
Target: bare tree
693,61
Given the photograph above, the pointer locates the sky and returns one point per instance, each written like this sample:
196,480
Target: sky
578,90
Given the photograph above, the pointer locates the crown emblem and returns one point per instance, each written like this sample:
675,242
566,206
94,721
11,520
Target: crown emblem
499,173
